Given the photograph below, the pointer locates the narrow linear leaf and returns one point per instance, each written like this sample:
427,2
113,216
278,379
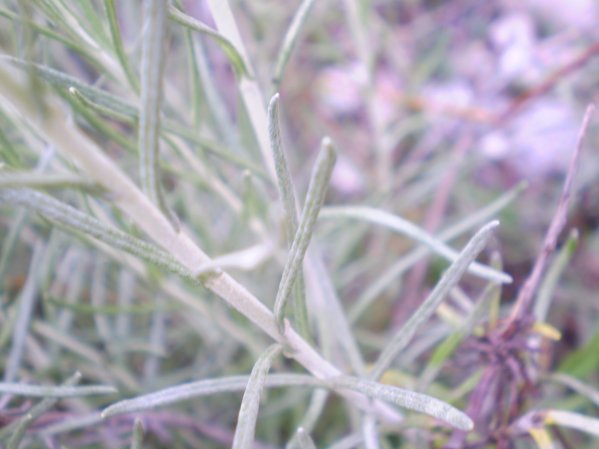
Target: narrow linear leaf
152,73
15,440
81,421
547,287
98,299
337,333
78,222
250,404
291,37
541,437
287,196
314,200
583,361
304,439
351,441
483,215
65,81
42,391
580,387
441,353
126,291
84,106
284,183
43,30
312,416
27,301
573,420
412,231
407,399
206,387
403,398
10,242
118,310
157,337
449,280
225,44
45,181
468,324
94,115
94,24
138,434
18,428
117,42
199,92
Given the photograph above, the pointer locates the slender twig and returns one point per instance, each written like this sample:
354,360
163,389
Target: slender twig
558,222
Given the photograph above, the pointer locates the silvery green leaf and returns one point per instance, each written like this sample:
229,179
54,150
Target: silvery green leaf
304,439
59,392
250,404
206,387
449,279
291,37
138,434
317,188
228,48
407,228
152,74
407,399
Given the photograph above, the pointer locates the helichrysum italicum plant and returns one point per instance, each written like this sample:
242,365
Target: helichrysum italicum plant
161,250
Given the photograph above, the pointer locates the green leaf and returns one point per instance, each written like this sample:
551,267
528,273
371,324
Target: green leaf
287,197
250,404
449,280
43,391
76,221
225,44
405,227
583,361
206,387
138,434
553,275
317,189
18,428
291,37
117,43
576,385
152,73
573,420
407,399
304,439
45,181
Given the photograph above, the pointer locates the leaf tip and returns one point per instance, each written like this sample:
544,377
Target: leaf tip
328,148
493,224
